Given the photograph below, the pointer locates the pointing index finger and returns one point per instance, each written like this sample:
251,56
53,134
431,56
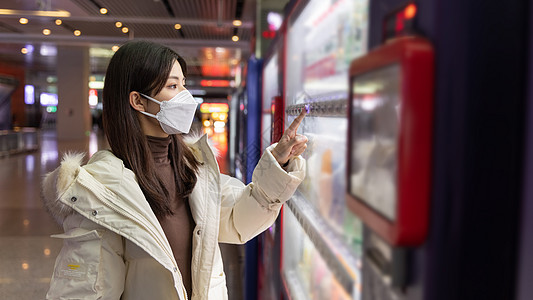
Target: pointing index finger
296,123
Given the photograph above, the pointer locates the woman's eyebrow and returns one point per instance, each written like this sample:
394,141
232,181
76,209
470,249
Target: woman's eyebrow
174,77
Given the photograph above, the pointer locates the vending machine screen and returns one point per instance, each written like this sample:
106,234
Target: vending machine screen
375,113
389,130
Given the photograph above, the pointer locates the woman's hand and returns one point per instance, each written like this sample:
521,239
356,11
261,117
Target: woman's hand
291,144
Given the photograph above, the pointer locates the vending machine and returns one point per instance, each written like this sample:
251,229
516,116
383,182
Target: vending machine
389,156
414,168
321,254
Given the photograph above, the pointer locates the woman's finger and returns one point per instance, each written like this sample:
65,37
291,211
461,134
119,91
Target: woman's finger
296,123
299,150
287,145
298,139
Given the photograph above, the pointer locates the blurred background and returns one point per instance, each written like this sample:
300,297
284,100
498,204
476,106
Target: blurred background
419,124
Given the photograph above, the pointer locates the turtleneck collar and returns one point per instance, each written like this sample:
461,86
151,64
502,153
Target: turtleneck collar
159,147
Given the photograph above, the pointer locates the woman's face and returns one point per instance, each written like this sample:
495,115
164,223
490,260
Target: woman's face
175,84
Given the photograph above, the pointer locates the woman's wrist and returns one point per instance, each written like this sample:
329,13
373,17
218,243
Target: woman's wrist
277,158
285,164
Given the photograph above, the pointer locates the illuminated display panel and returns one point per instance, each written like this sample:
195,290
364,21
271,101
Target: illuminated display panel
375,111
389,133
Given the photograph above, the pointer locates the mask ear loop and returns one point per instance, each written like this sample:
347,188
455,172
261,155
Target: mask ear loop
149,98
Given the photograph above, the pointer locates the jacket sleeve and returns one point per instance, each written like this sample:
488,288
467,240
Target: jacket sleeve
90,264
247,210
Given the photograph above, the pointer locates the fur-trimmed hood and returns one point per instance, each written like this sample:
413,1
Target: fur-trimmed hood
104,167
57,182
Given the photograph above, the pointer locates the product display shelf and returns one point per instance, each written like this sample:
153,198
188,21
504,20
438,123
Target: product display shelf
344,265
293,286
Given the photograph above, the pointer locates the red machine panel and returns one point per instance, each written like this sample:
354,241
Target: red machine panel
389,148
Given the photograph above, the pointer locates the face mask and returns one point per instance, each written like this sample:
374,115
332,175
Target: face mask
175,115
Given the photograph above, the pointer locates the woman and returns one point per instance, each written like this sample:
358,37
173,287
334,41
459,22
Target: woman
143,220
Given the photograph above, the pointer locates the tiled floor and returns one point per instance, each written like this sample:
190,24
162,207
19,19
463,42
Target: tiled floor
27,253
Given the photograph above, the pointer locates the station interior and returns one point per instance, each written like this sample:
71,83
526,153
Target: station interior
419,119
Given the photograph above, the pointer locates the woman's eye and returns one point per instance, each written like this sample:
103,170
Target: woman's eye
173,86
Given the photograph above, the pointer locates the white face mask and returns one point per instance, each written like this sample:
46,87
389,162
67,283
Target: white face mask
175,115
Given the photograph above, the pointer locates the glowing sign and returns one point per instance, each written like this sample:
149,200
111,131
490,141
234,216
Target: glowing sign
268,34
213,107
410,11
29,94
96,85
51,109
400,22
215,83
93,97
48,99
274,20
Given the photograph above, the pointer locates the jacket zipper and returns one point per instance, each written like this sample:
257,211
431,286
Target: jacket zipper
141,224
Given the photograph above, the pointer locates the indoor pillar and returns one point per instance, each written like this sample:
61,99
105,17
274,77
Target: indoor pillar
73,113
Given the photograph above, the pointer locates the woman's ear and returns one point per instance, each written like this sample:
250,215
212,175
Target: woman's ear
136,101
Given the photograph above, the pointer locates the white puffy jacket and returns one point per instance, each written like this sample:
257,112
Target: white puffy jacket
114,247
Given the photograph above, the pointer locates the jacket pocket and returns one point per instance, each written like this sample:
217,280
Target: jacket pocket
217,287
77,265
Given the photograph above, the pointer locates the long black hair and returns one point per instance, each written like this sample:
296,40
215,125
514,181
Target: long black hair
144,67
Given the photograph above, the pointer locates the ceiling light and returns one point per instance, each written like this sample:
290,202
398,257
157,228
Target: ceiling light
237,23
235,38
47,31
125,29
59,22
115,48
24,50
23,21
77,32
103,10
177,26
40,13
118,24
